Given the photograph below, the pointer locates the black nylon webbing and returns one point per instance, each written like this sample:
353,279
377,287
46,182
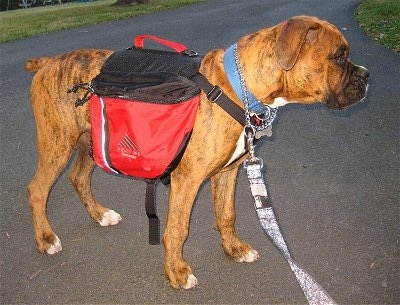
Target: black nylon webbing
151,212
216,95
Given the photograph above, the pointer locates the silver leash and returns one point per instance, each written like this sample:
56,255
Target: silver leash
313,292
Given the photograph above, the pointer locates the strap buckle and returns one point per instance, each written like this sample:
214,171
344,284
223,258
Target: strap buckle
214,94
190,53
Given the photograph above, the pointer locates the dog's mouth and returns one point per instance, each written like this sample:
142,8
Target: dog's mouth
355,90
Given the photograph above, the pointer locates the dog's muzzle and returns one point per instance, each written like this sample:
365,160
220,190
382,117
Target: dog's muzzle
355,90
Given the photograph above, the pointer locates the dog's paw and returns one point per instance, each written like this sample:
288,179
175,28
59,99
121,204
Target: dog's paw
250,257
191,282
55,247
110,218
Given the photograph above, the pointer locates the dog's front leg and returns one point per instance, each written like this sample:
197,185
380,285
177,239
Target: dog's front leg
223,192
182,194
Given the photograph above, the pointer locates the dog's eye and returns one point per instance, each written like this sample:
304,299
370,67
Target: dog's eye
341,59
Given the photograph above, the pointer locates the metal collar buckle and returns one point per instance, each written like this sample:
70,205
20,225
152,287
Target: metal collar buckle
260,121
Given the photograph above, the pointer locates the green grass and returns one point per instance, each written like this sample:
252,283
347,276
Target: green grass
23,23
380,19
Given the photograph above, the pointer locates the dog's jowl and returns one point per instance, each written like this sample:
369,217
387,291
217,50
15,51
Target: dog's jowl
301,60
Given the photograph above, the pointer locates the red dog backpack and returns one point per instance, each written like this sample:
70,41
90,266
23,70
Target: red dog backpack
143,109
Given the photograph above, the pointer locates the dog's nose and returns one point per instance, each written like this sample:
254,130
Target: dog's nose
362,73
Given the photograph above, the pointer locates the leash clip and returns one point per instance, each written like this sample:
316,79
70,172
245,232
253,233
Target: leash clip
250,134
254,166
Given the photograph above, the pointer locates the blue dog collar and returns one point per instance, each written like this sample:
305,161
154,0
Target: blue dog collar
232,72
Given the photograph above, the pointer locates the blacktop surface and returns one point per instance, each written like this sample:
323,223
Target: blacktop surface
333,178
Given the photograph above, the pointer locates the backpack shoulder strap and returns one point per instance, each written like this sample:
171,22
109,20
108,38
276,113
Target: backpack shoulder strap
216,95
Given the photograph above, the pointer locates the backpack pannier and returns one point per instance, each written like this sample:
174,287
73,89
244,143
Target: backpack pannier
143,109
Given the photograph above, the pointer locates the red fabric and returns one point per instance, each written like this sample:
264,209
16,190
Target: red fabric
138,139
138,42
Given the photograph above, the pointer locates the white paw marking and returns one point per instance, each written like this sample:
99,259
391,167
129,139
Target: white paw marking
191,282
110,218
250,257
55,248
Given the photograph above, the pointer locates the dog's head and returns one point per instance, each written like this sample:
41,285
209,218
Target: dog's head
304,60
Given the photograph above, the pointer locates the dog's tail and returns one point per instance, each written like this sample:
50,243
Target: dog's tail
35,64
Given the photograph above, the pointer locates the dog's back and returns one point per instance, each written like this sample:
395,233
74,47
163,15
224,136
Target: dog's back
82,59
35,64
55,75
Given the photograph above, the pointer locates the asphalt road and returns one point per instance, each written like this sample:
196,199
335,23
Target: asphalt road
333,178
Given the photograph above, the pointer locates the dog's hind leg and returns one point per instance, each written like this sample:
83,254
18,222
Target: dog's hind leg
53,157
80,179
223,189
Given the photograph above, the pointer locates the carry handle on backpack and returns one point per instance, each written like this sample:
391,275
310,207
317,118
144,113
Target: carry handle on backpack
138,42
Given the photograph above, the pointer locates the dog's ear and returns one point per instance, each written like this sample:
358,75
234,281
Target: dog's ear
296,31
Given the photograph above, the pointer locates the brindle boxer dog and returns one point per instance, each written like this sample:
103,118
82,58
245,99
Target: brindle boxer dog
301,60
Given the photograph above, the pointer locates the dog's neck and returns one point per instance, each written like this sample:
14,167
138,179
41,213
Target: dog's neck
264,114
236,79
234,74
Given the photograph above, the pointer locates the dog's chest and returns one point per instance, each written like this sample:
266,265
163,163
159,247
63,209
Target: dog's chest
239,151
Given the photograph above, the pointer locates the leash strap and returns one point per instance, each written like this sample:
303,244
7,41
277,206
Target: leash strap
151,212
314,293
